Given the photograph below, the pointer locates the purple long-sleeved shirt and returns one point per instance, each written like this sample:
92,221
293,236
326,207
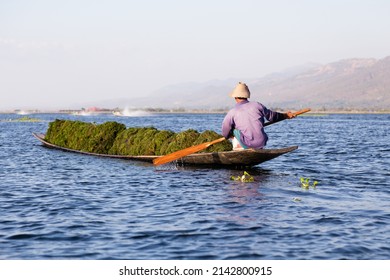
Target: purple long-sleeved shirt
248,118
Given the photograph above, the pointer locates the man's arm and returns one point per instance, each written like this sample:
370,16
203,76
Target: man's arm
227,126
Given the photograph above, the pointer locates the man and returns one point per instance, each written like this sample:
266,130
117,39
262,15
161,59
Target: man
245,122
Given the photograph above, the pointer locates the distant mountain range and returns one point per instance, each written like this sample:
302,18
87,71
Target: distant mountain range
345,84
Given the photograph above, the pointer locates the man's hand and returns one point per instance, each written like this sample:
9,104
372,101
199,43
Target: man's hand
289,115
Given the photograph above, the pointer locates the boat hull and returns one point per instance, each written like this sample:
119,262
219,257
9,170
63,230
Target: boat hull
249,157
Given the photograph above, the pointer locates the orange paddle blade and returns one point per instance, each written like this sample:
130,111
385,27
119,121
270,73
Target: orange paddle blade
185,152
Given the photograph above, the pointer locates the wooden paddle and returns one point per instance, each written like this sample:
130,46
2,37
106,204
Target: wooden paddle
194,149
300,112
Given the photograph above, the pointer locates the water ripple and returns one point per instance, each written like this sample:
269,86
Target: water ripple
58,205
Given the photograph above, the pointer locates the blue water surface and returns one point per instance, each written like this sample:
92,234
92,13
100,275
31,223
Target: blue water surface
59,205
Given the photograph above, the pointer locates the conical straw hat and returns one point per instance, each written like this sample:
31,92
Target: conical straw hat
241,90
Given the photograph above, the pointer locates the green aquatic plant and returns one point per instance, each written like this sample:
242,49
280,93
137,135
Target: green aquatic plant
83,136
115,138
246,177
28,119
24,119
306,184
181,141
208,136
161,140
140,141
103,136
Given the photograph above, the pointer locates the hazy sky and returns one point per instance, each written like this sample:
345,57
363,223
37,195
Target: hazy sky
56,53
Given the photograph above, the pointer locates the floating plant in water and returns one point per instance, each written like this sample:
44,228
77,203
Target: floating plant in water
24,119
246,177
306,183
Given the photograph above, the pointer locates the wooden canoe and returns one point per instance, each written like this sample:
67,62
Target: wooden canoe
249,157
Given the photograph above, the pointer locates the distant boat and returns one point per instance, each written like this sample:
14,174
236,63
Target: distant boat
92,111
22,112
86,113
119,114
83,113
129,113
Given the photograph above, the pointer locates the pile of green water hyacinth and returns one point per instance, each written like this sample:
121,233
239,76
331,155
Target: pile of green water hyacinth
114,138
82,136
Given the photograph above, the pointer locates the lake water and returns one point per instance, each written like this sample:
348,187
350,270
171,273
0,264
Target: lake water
58,205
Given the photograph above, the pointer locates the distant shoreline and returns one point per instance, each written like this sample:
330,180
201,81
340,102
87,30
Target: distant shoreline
188,111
